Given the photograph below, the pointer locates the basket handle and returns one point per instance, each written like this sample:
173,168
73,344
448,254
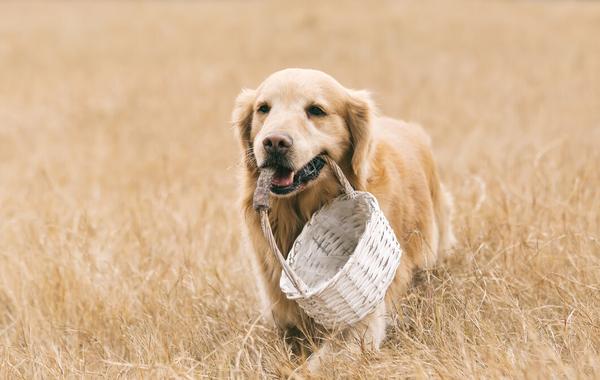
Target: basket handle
261,205
339,174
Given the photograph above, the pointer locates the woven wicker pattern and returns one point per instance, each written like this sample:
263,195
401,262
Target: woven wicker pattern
343,261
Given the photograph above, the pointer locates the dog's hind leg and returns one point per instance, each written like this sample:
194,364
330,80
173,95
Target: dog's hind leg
444,215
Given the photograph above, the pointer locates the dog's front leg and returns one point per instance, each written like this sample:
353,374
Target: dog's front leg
365,335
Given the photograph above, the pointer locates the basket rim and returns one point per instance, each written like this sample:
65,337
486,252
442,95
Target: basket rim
315,291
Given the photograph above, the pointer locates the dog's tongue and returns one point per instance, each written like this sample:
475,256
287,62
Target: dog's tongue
283,178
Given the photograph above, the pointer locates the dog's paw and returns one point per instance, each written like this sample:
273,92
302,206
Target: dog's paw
313,363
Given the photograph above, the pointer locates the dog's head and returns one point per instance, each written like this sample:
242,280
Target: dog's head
297,115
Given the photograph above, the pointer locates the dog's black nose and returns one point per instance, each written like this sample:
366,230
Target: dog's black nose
277,143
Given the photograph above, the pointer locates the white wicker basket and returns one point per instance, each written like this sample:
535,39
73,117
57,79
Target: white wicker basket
343,261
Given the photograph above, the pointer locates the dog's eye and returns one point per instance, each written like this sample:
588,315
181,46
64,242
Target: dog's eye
264,108
315,111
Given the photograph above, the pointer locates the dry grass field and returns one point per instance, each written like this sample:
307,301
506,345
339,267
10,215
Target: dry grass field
120,242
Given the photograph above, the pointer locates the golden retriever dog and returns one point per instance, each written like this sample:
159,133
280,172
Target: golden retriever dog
297,115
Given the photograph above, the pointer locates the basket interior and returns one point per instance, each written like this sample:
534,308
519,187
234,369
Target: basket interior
329,239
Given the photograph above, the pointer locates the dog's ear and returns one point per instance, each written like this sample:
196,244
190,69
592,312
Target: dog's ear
360,111
241,119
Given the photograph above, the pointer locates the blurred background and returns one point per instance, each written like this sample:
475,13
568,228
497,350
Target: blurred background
120,247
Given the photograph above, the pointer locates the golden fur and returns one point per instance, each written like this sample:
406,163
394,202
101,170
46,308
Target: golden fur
389,158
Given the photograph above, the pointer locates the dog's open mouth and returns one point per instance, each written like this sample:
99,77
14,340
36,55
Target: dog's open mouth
287,181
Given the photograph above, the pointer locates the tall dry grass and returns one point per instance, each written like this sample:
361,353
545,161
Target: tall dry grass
120,248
